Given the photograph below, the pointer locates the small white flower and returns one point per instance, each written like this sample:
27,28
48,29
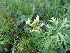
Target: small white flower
52,18
35,31
37,18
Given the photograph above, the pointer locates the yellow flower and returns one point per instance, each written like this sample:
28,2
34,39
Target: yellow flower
41,25
28,22
36,24
33,24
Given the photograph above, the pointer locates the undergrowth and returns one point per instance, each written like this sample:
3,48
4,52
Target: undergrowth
20,32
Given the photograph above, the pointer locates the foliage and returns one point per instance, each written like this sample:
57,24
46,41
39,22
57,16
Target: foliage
56,37
43,8
15,35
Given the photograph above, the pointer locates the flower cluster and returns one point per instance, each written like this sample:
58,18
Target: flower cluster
36,24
